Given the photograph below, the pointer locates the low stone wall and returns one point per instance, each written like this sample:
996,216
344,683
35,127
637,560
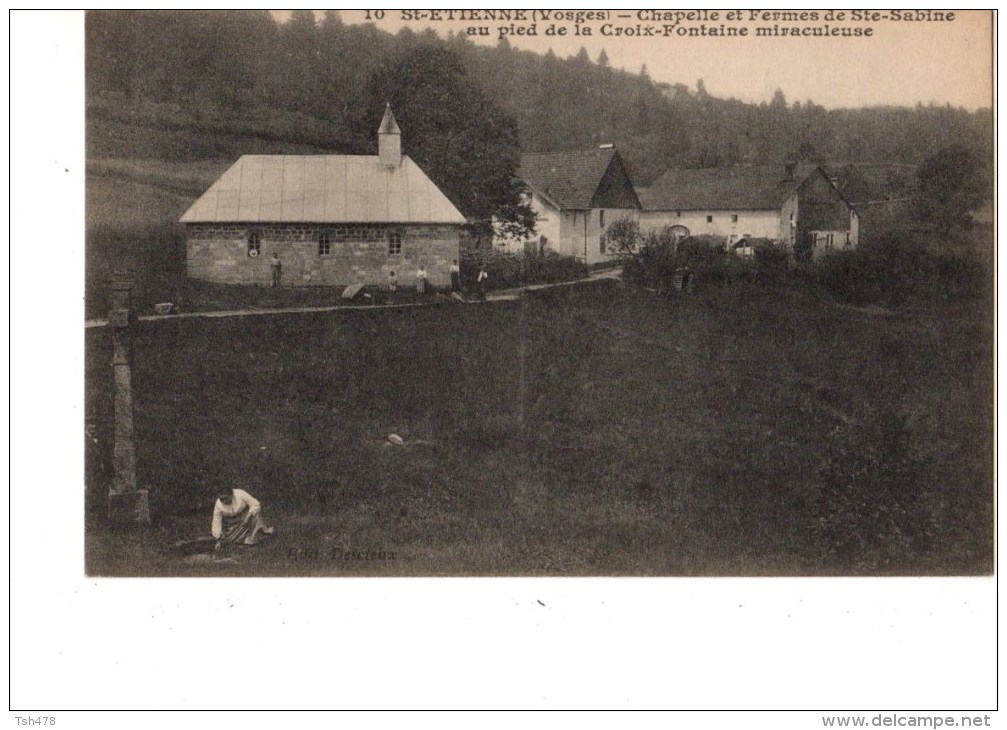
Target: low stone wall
358,254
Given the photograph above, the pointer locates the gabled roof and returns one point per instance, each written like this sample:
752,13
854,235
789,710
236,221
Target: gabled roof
745,187
568,180
322,189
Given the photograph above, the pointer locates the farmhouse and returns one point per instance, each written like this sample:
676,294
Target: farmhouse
575,195
800,208
330,219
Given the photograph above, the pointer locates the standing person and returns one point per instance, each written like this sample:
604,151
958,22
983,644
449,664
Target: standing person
237,519
421,279
481,280
275,270
393,283
456,276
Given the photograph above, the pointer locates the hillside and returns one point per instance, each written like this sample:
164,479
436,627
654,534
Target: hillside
308,83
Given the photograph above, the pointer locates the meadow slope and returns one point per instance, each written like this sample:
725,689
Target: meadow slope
593,430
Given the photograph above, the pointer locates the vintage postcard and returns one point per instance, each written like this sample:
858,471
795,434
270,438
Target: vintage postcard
538,293
532,292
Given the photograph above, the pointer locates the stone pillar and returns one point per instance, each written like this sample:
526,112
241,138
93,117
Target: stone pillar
126,503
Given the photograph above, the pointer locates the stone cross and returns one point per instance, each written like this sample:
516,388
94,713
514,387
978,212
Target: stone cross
126,503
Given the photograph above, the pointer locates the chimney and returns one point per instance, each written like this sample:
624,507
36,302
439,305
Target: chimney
389,141
788,171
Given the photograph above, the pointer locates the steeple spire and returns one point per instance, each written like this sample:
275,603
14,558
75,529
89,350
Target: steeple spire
389,140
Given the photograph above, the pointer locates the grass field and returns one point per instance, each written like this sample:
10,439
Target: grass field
595,430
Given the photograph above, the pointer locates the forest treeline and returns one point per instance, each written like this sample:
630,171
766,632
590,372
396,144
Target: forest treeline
233,65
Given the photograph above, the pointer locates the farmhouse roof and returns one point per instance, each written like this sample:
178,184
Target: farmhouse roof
744,187
322,189
568,180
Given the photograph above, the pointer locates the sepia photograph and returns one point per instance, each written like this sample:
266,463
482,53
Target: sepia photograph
377,296
663,339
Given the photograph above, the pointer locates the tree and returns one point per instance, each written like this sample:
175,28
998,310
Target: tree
807,152
950,184
853,185
465,143
297,84
622,238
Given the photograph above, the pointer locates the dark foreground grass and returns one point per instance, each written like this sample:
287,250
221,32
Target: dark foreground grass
584,431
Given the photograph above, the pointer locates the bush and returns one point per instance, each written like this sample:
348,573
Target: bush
623,238
772,262
654,263
509,270
661,259
896,268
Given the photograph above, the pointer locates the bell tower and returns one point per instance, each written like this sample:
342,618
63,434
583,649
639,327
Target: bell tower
389,140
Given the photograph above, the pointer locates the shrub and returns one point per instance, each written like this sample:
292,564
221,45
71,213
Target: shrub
709,262
654,263
772,262
508,270
661,259
897,267
881,271
623,238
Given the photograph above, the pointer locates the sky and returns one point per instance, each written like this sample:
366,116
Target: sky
901,63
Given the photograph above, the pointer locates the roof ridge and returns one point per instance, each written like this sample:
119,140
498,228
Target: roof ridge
322,189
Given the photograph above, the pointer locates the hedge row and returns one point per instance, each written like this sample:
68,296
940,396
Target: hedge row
509,270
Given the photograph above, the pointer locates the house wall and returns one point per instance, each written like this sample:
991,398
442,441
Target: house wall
359,254
581,231
547,227
754,223
824,242
838,239
564,230
547,224
789,215
826,222
822,207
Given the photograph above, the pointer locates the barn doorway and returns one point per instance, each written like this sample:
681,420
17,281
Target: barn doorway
678,232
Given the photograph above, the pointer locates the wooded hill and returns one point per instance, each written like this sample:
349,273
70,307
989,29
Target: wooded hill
222,83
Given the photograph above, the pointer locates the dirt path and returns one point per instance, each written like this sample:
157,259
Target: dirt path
504,295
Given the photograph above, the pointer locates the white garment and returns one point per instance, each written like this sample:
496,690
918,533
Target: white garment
240,499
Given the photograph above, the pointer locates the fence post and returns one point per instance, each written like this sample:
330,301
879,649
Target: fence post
126,503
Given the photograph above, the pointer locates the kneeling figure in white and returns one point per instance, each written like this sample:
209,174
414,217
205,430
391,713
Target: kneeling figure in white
237,519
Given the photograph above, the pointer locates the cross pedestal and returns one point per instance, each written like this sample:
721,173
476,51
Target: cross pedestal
126,503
